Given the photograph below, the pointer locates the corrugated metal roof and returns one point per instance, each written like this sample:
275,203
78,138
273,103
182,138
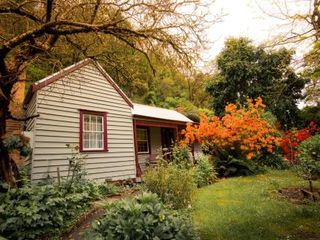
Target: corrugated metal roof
159,113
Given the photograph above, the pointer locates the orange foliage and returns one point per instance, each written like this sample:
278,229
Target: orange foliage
241,130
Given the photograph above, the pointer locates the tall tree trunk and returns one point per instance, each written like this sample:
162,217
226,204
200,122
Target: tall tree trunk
6,172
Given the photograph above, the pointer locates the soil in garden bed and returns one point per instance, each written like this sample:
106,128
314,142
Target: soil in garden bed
300,195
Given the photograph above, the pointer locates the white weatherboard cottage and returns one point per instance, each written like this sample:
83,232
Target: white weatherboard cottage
81,105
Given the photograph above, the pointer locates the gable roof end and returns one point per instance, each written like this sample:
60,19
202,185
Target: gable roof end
68,70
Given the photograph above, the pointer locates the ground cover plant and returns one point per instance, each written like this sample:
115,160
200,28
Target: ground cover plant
42,210
144,217
252,208
32,212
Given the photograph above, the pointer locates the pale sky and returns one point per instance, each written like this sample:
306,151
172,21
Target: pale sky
246,18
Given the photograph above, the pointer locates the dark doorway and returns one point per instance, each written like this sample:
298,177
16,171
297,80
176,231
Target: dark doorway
167,139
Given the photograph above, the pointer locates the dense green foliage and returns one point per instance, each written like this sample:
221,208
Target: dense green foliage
250,208
144,217
32,212
309,158
310,113
204,172
181,155
246,71
229,166
272,160
18,142
174,184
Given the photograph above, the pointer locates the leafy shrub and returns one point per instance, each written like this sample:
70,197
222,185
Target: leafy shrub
204,172
292,139
242,132
172,183
18,142
234,139
144,217
32,212
230,167
309,158
270,118
275,161
181,155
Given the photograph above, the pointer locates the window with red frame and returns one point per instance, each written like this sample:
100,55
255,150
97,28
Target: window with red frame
93,131
143,140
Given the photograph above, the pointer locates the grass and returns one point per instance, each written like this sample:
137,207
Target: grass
250,208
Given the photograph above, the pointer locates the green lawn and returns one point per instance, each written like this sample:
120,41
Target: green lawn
250,208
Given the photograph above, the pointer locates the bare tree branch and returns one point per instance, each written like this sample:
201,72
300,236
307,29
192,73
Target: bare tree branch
19,12
22,119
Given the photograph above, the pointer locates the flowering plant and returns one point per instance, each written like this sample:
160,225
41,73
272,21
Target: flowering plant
292,139
242,132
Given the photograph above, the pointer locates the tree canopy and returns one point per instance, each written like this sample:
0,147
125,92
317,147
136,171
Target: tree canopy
246,71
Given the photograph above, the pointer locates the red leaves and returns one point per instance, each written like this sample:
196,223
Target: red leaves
292,139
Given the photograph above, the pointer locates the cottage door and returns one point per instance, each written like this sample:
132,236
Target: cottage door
168,139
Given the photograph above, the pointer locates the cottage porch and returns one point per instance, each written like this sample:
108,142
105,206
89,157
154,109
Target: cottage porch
155,131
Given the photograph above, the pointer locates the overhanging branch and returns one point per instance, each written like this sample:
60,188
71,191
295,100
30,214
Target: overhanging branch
22,119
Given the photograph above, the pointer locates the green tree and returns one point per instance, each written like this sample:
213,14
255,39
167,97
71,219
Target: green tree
246,71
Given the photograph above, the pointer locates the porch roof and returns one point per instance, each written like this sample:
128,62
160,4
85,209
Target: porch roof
158,113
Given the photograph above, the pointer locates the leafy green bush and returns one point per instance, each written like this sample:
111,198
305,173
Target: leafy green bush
18,142
32,212
181,155
174,184
272,160
144,217
204,172
308,163
230,167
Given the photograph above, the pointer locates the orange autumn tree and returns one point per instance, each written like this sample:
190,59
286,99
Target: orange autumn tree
241,133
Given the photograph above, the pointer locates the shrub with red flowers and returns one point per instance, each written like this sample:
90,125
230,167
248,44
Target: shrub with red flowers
292,138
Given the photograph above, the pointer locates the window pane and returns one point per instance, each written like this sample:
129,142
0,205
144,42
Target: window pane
99,127
143,147
86,122
93,123
86,140
142,134
90,140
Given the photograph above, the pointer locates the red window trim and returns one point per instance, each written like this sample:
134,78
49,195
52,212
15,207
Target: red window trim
149,145
105,132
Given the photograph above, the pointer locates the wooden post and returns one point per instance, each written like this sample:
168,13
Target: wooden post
58,174
138,168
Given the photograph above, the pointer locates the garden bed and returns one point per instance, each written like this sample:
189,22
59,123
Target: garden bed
300,195
86,220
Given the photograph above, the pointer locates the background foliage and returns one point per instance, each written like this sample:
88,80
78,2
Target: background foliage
246,71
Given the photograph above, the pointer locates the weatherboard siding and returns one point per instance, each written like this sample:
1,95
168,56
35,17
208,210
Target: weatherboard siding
31,111
58,105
